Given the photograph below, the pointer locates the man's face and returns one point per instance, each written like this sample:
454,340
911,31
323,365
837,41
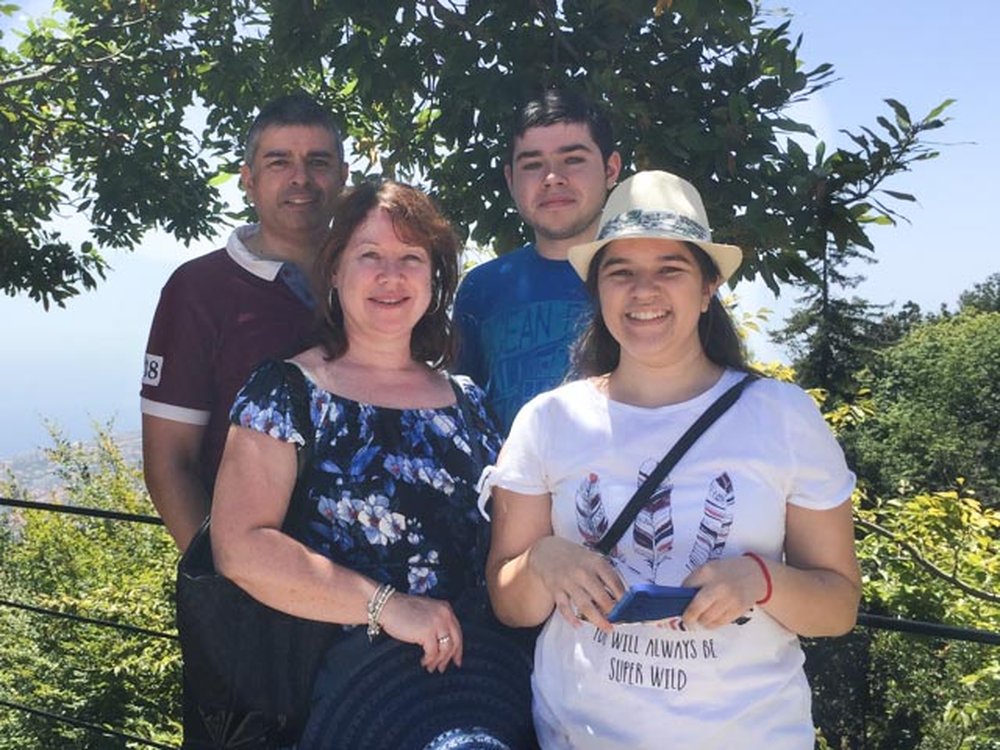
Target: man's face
559,181
294,180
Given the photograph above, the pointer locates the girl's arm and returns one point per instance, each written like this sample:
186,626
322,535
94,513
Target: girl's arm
530,572
814,592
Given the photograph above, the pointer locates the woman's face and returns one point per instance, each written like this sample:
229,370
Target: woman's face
383,283
652,293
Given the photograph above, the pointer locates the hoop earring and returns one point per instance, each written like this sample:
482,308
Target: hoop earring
330,296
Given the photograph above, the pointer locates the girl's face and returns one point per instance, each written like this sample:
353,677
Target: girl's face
652,293
383,283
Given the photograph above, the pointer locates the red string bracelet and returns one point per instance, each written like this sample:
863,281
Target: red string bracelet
767,576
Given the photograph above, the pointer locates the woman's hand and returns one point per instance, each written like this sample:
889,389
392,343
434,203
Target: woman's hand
728,588
583,583
429,623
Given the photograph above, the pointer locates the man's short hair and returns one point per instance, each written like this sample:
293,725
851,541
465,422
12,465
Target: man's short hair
297,108
557,105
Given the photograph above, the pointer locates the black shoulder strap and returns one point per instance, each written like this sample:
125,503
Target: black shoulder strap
295,517
301,416
642,495
197,559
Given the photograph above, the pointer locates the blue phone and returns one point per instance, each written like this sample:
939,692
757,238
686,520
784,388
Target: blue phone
646,602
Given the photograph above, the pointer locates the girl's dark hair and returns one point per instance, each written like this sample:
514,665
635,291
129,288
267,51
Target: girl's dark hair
417,221
596,352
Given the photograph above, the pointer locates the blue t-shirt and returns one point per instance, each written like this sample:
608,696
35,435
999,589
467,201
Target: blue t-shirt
518,316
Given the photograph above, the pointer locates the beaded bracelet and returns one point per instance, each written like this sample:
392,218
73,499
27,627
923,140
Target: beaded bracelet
767,576
375,606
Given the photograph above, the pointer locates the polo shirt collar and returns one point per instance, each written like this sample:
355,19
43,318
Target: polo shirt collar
241,255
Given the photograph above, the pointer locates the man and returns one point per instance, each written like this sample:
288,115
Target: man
221,314
519,314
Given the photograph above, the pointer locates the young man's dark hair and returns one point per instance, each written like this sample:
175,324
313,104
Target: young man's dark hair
297,108
556,105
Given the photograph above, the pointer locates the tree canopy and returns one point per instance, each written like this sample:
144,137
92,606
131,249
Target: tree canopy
129,112
984,296
94,568
936,409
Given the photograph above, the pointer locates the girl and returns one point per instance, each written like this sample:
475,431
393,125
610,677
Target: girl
756,516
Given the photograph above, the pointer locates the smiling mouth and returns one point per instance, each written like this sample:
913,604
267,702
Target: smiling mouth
646,315
389,302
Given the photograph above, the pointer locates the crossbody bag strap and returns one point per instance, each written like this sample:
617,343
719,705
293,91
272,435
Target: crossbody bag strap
695,431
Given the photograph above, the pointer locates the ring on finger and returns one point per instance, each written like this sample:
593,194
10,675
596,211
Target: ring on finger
443,639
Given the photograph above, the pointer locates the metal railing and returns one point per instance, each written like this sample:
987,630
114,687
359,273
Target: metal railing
816,666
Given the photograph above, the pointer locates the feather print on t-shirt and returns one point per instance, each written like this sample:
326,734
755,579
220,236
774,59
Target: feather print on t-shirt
653,529
591,520
715,523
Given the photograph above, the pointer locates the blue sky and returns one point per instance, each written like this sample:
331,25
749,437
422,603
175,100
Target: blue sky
82,364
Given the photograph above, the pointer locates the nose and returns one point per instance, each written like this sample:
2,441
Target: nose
643,285
553,176
299,173
389,268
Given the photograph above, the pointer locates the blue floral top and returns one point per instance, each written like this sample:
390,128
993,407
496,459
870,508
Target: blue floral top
388,492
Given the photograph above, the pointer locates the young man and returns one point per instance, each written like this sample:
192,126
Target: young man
519,314
221,314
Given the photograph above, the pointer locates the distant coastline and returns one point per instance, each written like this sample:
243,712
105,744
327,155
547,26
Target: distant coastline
34,472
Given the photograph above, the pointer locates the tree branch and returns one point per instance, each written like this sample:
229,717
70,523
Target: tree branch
560,38
450,16
47,72
918,558
29,79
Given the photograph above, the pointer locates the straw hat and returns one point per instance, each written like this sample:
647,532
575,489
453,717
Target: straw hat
658,206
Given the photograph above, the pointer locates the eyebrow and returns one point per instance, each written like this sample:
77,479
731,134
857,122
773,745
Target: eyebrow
618,260
371,240
277,152
567,149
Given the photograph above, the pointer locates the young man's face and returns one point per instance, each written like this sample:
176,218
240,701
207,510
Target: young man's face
294,180
559,181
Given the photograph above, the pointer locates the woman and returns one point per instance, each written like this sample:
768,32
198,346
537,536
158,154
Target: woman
393,536
756,515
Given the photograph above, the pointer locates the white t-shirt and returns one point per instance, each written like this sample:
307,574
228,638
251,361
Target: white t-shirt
659,686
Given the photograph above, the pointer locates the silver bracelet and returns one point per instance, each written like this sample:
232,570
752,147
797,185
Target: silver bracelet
375,606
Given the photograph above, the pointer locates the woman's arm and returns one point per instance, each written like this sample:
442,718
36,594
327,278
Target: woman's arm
815,592
252,493
530,572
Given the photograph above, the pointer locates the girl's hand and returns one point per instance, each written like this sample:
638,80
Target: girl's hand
728,588
583,583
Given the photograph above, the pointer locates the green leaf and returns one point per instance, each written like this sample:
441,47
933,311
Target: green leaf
902,114
888,126
222,178
933,114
